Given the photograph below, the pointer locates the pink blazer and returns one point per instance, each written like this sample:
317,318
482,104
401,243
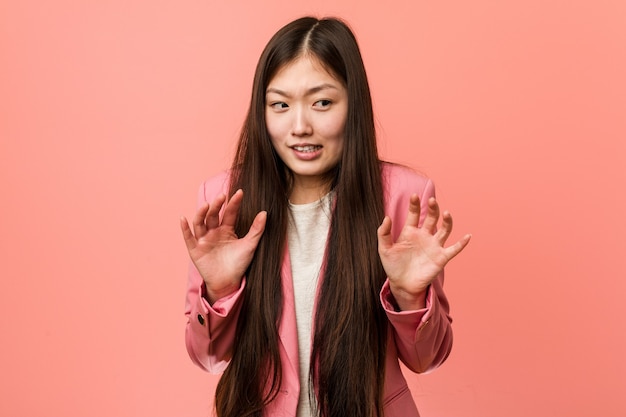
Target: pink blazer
421,339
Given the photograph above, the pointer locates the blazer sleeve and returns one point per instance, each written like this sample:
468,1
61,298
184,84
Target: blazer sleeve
423,337
210,329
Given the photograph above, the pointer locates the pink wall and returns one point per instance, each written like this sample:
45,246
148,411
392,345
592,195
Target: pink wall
112,112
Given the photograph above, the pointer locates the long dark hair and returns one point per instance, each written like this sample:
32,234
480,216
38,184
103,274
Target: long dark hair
349,342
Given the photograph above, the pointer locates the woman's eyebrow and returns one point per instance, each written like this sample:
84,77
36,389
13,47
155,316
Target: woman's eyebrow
308,92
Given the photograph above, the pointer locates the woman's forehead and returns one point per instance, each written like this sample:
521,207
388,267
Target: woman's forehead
306,69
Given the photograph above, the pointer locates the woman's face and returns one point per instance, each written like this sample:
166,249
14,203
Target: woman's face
306,110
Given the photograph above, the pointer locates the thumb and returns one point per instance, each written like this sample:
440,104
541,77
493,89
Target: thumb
384,234
257,228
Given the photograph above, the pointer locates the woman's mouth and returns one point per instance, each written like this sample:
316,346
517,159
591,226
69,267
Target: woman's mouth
307,148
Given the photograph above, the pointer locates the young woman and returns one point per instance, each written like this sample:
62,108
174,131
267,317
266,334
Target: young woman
316,266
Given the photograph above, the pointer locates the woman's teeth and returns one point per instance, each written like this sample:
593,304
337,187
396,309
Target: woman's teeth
308,148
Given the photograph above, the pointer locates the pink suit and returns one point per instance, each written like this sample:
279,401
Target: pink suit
422,339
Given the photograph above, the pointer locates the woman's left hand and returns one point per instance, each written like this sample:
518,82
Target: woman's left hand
419,255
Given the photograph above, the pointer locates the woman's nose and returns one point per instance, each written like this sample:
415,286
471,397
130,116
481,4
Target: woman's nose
301,123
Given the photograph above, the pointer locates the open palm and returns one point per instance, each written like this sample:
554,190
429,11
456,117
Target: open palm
220,256
415,259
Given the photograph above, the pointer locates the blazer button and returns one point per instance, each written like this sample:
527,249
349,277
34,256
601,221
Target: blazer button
201,319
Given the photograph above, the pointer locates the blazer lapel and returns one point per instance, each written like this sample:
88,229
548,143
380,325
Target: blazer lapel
287,329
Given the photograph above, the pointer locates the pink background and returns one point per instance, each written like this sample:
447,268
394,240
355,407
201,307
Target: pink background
113,112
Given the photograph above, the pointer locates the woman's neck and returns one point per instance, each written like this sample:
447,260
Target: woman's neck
308,190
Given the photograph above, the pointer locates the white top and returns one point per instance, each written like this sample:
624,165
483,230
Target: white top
307,233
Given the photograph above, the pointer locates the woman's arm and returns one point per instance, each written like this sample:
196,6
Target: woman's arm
210,329
423,337
219,259
413,254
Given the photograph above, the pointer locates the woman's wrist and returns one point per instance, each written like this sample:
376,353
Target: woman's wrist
407,301
212,295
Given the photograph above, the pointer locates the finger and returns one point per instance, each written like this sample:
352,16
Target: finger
232,209
189,238
446,228
212,218
432,216
385,240
455,249
413,218
256,229
199,227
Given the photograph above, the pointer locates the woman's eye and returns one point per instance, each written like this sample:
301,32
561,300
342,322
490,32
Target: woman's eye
322,103
279,105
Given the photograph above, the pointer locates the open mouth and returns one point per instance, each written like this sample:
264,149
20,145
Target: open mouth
307,148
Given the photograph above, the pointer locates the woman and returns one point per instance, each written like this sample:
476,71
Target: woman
298,293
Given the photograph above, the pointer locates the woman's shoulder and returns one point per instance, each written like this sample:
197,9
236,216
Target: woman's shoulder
218,183
400,178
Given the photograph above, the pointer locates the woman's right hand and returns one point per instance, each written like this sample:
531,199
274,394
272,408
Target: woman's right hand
220,256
